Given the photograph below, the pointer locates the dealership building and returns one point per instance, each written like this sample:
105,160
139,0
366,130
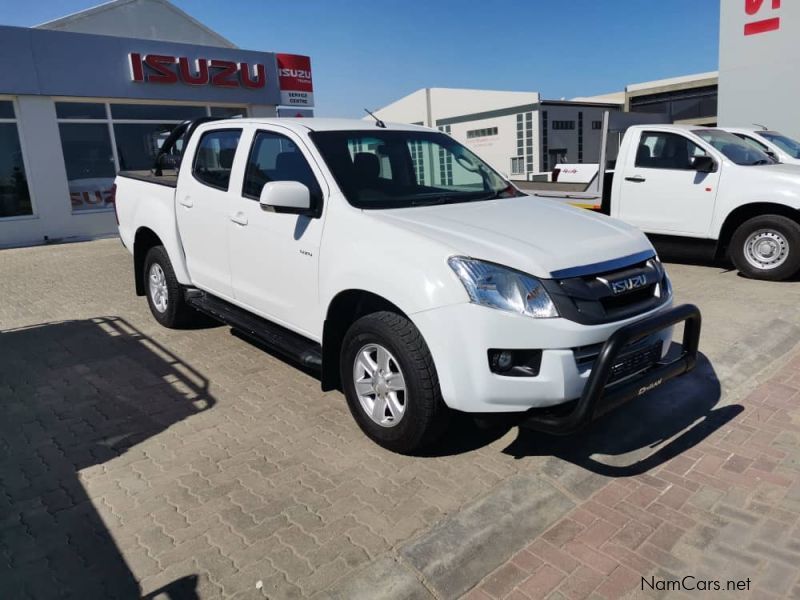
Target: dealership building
93,93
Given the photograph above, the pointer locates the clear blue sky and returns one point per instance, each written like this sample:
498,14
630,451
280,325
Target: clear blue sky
371,52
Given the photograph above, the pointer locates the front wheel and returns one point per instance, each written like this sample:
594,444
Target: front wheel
767,247
391,384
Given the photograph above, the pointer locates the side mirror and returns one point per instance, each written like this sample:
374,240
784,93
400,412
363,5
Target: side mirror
290,197
704,164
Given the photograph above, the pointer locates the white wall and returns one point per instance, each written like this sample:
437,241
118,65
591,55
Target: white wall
498,149
758,76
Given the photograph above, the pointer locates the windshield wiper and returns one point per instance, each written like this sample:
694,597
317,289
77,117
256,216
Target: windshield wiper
761,162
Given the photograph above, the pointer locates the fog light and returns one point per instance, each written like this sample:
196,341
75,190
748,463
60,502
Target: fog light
515,363
504,360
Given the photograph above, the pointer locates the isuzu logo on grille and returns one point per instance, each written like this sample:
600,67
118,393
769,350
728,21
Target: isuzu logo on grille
628,285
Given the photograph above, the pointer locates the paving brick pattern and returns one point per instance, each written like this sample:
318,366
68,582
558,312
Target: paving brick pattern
136,460
726,509
134,457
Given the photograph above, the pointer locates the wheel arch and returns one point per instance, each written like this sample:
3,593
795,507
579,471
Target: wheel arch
746,212
143,241
344,309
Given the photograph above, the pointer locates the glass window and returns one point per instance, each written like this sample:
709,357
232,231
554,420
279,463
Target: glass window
138,144
787,144
228,112
6,109
275,157
415,176
753,142
214,157
15,199
661,150
733,148
89,163
157,112
80,110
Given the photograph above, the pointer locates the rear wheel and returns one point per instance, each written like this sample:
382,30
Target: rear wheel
767,247
164,293
391,384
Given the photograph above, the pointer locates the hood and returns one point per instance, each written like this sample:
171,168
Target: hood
533,235
787,170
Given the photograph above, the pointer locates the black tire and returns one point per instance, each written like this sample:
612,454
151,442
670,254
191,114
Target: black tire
425,416
177,313
788,231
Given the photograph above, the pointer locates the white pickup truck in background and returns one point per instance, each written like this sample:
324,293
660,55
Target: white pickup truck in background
690,182
780,147
405,271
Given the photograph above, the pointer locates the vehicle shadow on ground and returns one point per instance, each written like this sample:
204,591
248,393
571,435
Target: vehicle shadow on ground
635,438
76,394
643,434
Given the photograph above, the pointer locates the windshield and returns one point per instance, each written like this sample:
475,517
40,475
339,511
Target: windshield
787,144
397,169
733,147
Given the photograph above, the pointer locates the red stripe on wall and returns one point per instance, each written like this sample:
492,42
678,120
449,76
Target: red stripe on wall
762,26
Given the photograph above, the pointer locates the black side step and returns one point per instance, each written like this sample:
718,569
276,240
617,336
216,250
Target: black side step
283,341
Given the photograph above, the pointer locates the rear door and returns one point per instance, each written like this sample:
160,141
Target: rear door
275,256
661,192
204,205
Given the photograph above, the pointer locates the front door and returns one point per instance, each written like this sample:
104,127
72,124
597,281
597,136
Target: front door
662,192
203,210
275,256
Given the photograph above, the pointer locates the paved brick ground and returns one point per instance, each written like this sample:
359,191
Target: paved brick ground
135,459
726,509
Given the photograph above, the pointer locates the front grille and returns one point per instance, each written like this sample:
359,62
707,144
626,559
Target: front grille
615,303
609,296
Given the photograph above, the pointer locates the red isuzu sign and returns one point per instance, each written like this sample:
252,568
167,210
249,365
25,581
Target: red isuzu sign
294,80
161,68
756,8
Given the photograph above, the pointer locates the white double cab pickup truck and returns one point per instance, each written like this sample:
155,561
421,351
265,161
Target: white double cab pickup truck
403,270
780,147
678,183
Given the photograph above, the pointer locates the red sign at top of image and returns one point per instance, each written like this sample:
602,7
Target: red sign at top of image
294,72
754,7
160,68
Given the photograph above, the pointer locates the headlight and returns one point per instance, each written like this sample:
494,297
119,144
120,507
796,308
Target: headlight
499,287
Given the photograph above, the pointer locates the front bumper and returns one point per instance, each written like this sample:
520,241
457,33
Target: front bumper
597,399
459,336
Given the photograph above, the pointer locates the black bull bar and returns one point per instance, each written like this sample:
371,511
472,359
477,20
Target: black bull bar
598,399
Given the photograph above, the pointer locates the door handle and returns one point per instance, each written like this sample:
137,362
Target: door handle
239,219
636,179
187,202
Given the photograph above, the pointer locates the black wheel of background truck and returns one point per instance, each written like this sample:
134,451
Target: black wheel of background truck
390,383
164,293
767,247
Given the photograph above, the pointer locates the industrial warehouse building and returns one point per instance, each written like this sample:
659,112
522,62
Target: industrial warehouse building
91,94
520,134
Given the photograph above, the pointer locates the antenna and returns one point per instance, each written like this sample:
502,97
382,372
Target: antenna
378,122
763,127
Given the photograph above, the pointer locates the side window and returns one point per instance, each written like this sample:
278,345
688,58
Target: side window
214,157
753,142
662,150
274,157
